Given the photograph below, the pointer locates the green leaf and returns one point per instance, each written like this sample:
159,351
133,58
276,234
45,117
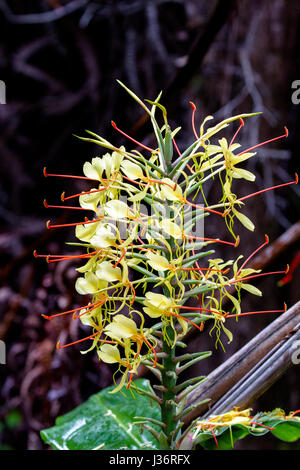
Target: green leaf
105,421
285,429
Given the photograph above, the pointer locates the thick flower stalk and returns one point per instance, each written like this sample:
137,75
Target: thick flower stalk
143,260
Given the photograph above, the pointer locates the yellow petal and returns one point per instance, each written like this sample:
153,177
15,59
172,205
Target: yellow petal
245,174
244,220
116,209
121,327
157,262
171,228
131,170
87,284
103,238
169,192
93,170
90,201
107,272
109,354
86,231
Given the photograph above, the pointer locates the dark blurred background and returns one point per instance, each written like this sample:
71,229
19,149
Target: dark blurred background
60,60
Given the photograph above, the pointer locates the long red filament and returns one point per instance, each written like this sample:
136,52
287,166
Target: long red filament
287,278
153,350
240,127
68,176
64,198
49,206
197,308
257,275
84,339
73,224
203,208
266,142
269,189
213,240
193,119
131,138
185,319
90,310
120,259
256,313
253,254
214,436
205,269
71,311
263,425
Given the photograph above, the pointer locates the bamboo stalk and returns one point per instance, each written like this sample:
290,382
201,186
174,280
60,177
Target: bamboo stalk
222,379
275,348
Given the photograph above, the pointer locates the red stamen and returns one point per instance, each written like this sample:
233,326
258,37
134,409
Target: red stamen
294,413
193,119
176,146
64,207
133,181
72,225
141,241
197,265
240,127
120,259
258,312
185,319
269,189
90,310
263,425
130,138
259,275
289,275
203,208
133,292
63,198
205,269
214,436
58,346
70,311
213,240
68,176
129,382
198,308
153,350
266,142
253,254
87,255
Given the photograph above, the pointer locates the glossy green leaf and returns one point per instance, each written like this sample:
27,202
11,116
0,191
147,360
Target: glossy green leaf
287,430
105,421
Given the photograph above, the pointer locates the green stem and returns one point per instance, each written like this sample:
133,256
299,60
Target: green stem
169,379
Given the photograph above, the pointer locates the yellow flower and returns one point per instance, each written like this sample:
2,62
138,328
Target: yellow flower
156,304
89,284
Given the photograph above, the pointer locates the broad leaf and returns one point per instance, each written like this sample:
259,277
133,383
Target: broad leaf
285,428
105,421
